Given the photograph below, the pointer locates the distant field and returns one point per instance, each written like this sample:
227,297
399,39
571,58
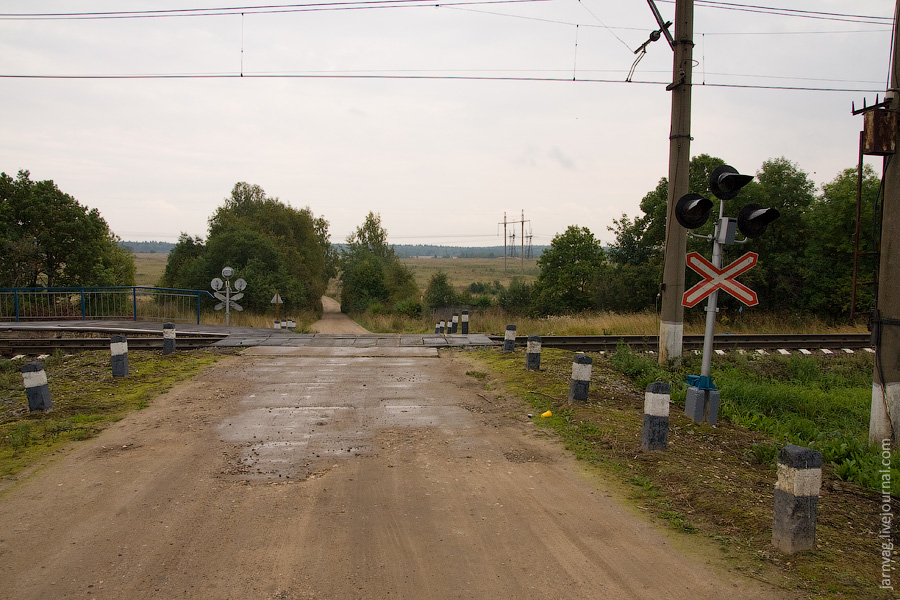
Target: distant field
149,267
463,271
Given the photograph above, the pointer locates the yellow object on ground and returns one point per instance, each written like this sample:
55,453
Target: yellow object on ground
547,414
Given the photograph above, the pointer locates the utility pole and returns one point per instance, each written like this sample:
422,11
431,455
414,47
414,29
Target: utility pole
504,242
884,423
523,241
512,236
671,325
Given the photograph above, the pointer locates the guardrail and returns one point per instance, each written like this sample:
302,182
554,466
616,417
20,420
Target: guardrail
134,303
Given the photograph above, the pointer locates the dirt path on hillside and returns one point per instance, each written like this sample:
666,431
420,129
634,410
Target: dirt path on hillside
334,321
308,473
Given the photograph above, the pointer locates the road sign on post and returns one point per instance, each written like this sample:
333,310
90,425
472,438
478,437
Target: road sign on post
276,300
228,299
720,279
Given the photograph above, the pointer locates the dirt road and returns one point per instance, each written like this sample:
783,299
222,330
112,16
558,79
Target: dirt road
334,321
310,473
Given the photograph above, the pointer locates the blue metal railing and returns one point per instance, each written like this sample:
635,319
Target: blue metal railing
136,303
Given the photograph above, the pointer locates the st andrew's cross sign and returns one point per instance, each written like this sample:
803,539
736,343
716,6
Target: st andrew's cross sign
720,279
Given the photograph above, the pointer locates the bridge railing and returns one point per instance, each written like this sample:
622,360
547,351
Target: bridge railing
134,303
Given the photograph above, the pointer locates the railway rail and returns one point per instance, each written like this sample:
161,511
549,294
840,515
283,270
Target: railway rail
606,343
11,346
34,344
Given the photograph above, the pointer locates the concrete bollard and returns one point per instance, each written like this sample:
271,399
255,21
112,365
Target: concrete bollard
118,347
796,499
284,324
442,326
277,324
36,388
168,338
437,327
292,324
533,353
655,432
455,325
509,338
702,405
581,377
464,322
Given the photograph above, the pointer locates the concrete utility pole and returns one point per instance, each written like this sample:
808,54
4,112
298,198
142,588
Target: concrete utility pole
671,325
884,422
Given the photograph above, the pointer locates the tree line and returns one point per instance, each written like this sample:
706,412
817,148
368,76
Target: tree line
806,256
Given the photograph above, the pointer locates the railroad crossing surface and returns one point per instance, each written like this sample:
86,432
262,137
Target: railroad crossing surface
239,337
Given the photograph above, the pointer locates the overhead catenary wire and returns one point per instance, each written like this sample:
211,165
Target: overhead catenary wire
508,78
265,9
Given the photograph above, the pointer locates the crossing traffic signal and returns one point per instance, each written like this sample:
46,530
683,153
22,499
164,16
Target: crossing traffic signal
725,182
753,219
692,211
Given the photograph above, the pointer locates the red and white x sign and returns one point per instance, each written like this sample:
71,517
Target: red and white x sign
716,279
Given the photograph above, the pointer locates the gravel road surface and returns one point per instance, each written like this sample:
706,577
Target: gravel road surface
311,473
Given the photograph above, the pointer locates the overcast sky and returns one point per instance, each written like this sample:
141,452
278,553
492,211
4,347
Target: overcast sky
440,158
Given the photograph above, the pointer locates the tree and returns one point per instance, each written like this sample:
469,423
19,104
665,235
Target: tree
828,257
273,246
569,271
372,277
439,292
778,277
48,238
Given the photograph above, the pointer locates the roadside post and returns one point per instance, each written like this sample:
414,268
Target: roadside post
36,388
796,499
533,353
580,384
509,338
655,431
464,322
118,347
168,338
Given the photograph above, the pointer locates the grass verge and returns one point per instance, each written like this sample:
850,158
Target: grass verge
717,482
86,399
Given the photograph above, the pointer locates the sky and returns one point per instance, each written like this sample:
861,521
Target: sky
444,119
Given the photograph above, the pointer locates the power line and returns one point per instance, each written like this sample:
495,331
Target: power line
266,9
509,78
792,12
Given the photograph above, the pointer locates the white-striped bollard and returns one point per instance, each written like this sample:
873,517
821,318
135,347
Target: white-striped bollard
292,324
455,326
509,338
655,432
533,353
437,327
277,324
796,499
442,326
118,347
36,389
284,324
581,377
464,322
168,338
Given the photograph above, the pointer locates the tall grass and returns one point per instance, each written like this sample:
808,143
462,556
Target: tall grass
815,401
493,321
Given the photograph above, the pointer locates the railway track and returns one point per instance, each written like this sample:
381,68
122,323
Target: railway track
12,346
606,343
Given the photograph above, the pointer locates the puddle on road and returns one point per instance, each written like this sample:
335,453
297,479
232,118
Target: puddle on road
291,430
